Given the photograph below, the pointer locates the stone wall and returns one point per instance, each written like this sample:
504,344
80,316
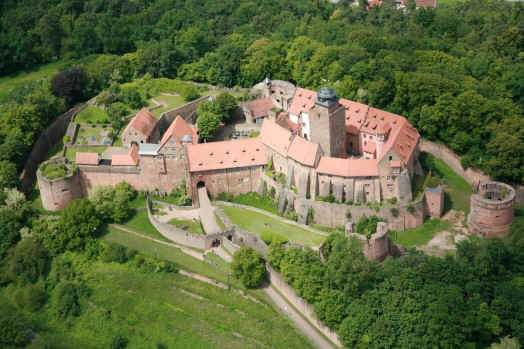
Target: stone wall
186,111
52,135
378,246
180,236
300,304
335,215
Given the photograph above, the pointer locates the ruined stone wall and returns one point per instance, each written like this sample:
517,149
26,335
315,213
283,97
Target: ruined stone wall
492,209
52,135
434,202
377,247
300,304
57,193
335,215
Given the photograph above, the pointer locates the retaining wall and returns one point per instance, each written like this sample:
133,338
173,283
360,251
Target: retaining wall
181,236
302,305
53,134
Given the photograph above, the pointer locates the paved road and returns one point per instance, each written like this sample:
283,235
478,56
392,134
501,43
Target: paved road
207,216
299,322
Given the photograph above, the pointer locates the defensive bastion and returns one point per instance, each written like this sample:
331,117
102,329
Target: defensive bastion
492,209
378,246
56,193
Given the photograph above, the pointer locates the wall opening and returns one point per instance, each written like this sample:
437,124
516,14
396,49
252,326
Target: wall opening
201,184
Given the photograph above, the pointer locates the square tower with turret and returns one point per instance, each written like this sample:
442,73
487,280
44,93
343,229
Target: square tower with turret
327,121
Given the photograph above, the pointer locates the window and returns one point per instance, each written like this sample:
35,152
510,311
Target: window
243,180
371,137
367,185
388,178
390,188
390,158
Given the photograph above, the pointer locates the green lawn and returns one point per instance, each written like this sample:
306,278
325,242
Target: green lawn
140,223
92,115
151,309
71,152
220,223
420,235
259,223
251,199
458,191
192,226
138,202
171,101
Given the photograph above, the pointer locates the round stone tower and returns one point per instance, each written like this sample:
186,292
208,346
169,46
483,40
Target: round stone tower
378,246
492,209
59,183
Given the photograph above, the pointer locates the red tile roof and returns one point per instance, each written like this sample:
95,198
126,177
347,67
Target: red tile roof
302,101
283,120
303,151
351,167
87,158
395,163
260,107
226,154
129,159
275,136
355,115
178,129
143,122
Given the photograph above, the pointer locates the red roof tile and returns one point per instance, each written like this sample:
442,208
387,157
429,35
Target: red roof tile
129,159
355,115
87,158
303,151
143,122
226,154
275,136
178,129
395,163
302,101
260,107
351,167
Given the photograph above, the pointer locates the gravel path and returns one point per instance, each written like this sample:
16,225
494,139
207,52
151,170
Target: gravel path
207,215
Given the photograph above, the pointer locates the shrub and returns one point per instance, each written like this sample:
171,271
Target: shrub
393,200
272,192
66,139
293,216
411,208
53,170
118,342
66,300
270,237
14,329
394,211
248,266
114,253
31,297
367,225
189,93
310,217
348,215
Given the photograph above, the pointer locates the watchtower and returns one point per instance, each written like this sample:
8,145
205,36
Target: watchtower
327,123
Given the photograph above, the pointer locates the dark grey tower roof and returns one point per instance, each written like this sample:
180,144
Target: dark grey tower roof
326,97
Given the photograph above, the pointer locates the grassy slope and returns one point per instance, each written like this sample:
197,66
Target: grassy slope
420,235
259,223
457,189
150,309
95,115
140,223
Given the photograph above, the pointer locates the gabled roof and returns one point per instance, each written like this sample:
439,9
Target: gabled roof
303,151
144,122
178,129
129,159
302,101
226,154
355,115
87,158
369,147
275,136
351,167
260,107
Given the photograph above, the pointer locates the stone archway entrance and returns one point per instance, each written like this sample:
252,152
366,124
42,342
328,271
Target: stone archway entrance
201,184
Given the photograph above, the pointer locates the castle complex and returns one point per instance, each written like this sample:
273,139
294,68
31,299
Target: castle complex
316,145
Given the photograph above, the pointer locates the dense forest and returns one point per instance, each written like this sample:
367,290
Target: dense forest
466,301
457,72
